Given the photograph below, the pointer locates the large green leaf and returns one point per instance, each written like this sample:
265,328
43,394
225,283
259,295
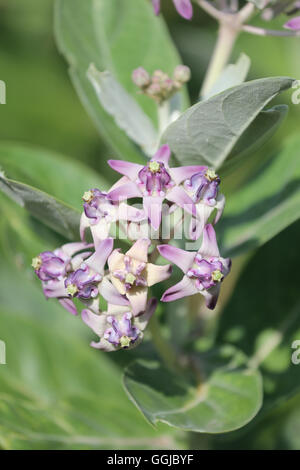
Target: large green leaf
207,132
117,36
55,214
232,75
225,397
267,204
263,316
257,134
55,391
55,174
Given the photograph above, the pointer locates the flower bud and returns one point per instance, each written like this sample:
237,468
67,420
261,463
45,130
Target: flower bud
141,77
182,73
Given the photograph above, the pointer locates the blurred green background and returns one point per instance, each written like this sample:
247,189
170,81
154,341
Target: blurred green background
55,391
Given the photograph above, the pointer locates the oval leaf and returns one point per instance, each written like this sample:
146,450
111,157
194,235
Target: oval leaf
55,214
207,132
227,399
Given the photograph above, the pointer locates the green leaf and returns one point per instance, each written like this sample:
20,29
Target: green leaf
263,316
232,75
55,391
207,132
266,205
227,397
55,214
91,32
64,178
128,115
257,134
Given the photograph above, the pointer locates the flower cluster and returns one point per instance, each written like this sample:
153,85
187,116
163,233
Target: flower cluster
93,275
160,87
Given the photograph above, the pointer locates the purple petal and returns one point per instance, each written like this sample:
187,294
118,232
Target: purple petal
153,208
130,213
183,288
131,170
98,259
163,154
110,293
183,259
179,196
185,172
209,246
156,6
69,305
96,322
211,296
184,8
125,191
293,24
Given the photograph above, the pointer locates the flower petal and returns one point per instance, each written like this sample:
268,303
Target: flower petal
185,172
110,293
293,24
138,299
209,246
98,323
153,208
142,321
163,154
100,231
183,259
183,288
155,273
131,170
84,224
69,305
126,191
156,6
179,196
98,259
184,8
211,296
129,213
139,250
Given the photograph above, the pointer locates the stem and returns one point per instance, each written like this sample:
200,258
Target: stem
226,38
163,116
269,32
162,346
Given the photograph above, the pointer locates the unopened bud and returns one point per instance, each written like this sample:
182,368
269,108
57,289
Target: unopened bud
141,77
182,73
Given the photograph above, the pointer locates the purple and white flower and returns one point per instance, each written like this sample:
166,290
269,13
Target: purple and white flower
100,212
132,275
118,328
203,270
184,8
86,281
154,182
203,189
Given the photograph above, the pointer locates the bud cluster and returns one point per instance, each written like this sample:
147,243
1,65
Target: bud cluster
160,86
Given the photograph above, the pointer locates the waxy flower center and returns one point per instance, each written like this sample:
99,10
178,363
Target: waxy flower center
154,166
130,278
125,341
217,275
88,196
211,175
72,289
36,263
